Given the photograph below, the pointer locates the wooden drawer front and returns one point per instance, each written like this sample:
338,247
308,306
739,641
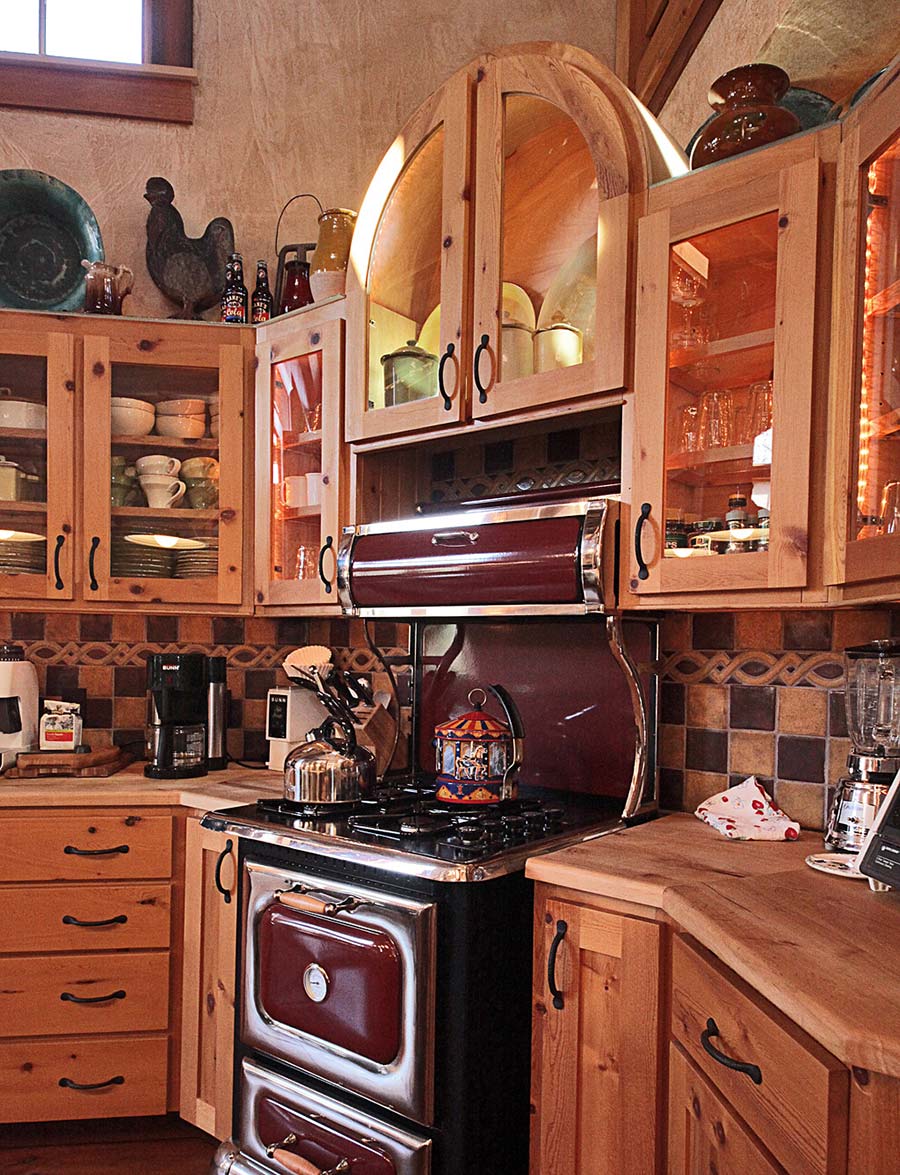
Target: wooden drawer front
85,917
704,1135
799,1108
32,994
31,1071
85,846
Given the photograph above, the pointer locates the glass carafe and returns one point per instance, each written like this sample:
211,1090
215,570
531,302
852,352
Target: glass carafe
872,695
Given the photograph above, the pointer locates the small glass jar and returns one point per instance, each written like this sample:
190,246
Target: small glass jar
328,265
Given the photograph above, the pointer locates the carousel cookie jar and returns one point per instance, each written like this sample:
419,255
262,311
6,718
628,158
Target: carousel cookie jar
477,755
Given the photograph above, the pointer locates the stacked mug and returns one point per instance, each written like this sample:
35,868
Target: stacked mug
158,477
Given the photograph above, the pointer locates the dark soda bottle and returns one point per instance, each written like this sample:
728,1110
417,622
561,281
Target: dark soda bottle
262,295
234,296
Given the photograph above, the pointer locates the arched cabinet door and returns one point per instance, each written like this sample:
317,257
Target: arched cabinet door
407,281
555,166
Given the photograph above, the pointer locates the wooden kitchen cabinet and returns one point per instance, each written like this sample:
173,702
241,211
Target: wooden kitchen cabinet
210,945
863,489
469,258
37,477
597,1068
724,372
301,483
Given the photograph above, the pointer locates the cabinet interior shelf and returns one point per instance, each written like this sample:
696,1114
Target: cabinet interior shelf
301,440
31,435
885,426
172,513
733,362
297,513
165,444
716,467
885,300
22,507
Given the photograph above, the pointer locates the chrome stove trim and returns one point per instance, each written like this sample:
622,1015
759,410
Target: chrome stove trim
409,1153
396,861
641,718
405,1084
589,556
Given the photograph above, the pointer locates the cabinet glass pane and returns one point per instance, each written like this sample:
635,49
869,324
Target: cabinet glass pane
405,284
164,472
549,240
720,399
878,485
23,465
296,468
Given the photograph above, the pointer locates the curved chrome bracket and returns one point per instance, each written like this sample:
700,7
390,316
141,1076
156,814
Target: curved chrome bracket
345,548
591,554
638,784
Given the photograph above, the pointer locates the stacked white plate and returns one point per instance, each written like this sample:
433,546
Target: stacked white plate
133,562
23,558
198,564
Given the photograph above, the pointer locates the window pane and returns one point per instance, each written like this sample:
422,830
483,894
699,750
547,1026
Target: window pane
100,30
19,26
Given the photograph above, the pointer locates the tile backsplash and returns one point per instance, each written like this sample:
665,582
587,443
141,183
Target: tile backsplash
98,660
759,693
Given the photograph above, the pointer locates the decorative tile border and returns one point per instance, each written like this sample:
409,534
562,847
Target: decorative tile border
754,667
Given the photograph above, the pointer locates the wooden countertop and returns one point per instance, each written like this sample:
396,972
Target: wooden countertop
822,949
221,789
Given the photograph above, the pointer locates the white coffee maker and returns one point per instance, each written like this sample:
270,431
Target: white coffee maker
18,705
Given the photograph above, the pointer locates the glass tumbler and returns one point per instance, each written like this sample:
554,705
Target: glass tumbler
716,420
760,408
307,562
690,428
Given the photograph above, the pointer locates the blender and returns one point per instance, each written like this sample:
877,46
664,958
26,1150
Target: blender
872,699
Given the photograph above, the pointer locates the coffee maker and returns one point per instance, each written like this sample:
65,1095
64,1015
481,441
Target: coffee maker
18,705
177,714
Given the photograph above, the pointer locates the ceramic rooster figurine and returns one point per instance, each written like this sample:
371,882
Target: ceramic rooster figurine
189,270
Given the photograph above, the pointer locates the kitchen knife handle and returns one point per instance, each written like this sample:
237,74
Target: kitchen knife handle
643,573
68,998
476,368
712,1029
95,543
118,920
447,355
220,861
327,546
561,928
68,1083
60,540
71,851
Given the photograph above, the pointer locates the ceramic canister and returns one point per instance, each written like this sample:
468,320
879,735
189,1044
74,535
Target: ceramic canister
555,346
473,753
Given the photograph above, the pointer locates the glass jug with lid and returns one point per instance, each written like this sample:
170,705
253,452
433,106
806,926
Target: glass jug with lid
872,697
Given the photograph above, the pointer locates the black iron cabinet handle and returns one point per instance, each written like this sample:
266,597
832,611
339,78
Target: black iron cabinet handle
68,998
118,920
712,1029
448,354
327,546
643,573
476,364
71,851
95,543
561,928
60,540
220,860
68,1083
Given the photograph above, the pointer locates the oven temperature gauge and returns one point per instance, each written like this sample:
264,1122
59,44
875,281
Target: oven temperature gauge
315,982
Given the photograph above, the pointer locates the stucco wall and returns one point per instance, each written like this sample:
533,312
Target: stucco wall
292,97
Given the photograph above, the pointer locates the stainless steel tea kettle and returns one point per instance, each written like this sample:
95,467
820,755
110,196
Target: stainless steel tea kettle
330,769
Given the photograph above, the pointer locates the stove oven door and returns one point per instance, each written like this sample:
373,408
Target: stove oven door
338,980
286,1124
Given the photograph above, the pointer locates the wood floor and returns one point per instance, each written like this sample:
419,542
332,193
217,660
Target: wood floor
152,1146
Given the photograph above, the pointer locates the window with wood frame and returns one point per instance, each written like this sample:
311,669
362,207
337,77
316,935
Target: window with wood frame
123,58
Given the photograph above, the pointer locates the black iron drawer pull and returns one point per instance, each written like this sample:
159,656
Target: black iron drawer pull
95,543
712,1029
561,928
220,861
643,573
448,354
71,851
60,540
68,1083
68,998
118,920
476,368
327,546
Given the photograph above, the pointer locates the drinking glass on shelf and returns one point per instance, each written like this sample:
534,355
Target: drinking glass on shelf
312,416
307,562
690,428
686,290
716,420
760,411
889,521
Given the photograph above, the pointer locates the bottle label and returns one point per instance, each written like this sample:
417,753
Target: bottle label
262,308
233,309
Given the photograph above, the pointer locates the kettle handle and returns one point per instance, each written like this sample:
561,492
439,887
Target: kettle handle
517,729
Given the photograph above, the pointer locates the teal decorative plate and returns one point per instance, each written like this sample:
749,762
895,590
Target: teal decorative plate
46,229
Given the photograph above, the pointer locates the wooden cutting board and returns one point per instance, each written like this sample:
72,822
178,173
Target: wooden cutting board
94,765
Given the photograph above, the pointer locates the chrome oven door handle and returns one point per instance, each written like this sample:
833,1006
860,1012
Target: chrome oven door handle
455,538
298,1165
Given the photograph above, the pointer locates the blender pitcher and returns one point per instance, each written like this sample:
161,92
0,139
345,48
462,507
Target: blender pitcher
872,700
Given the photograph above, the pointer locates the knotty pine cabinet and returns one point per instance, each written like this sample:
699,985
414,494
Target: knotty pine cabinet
506,204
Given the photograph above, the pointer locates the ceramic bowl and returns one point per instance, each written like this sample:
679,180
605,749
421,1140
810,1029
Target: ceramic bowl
131,418
22,414
184,427
181,408
214,426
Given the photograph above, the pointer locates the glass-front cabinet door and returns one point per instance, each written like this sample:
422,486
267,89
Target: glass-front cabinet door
163,466
723,385
406,284
37,464
299,484
551,238
864,464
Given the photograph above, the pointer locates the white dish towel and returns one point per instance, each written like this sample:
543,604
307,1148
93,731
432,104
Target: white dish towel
746,812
